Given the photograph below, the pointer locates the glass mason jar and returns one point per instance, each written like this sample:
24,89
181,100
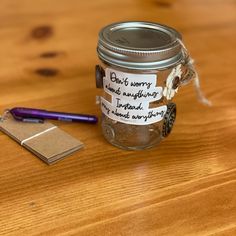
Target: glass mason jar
142,66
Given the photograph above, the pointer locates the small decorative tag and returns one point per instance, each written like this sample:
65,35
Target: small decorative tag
45,140
172,82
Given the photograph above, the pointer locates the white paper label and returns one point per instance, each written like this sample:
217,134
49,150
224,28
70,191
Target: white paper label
133,116
131,95
131,86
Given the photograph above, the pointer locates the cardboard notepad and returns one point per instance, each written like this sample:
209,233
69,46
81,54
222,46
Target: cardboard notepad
45,140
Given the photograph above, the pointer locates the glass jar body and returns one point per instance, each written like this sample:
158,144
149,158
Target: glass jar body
131,136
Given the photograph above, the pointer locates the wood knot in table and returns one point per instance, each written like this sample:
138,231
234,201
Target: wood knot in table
42,32
47,72
163,4
50,54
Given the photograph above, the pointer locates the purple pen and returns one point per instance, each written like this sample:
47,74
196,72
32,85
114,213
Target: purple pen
38,116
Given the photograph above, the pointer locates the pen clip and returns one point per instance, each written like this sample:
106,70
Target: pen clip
32,120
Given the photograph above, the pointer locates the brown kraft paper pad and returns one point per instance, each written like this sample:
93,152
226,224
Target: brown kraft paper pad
45,140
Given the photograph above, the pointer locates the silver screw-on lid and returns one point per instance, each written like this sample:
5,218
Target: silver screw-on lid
139,45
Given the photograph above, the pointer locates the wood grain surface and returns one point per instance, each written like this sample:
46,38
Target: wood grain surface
185,186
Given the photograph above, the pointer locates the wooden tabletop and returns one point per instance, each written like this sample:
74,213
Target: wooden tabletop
185,186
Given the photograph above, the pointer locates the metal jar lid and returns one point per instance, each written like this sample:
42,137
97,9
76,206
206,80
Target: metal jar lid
139,45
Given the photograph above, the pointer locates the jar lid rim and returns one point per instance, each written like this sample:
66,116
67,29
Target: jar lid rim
140,42
107,38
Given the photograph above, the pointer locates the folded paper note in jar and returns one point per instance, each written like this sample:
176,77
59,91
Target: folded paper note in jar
142,66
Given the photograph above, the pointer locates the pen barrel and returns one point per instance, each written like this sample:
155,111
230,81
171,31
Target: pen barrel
20,113
69,117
